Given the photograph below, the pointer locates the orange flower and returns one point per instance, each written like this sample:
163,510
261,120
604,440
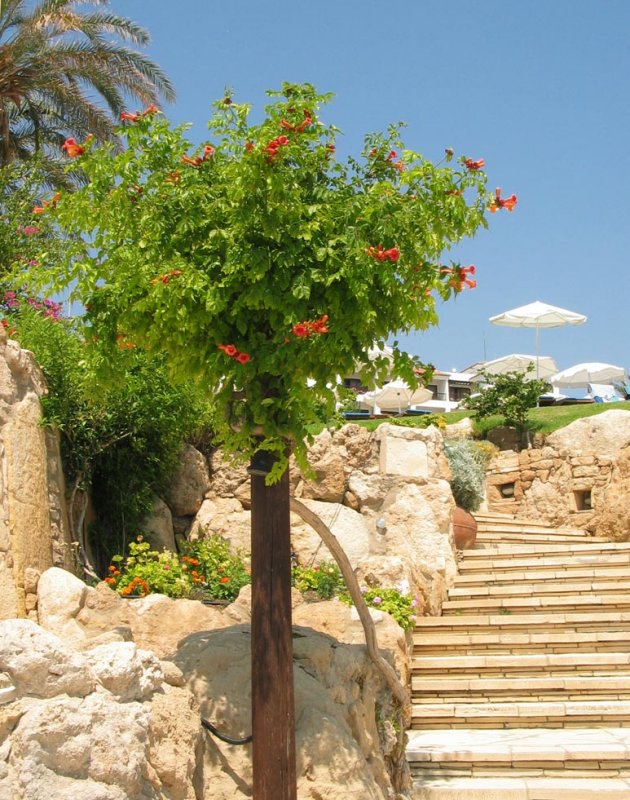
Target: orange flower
243,358
473,166
151,110
127,117
38,210
498,202
225,579
72,148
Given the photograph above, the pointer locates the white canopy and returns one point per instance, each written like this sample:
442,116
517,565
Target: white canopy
394,396
590,372
518,362
538,315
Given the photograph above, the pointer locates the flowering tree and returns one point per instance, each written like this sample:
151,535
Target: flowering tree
263,266
259,261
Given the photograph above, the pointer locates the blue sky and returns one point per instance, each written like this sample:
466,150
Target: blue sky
538,89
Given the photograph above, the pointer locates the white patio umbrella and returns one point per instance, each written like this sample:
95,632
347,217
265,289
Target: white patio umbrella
518,362
395,396
583,374
538,315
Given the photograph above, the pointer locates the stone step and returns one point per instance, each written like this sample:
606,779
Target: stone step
525,526
463,688
540,573
485,561
497,714
523,666
502,788
564,621
539,588
515,749
541,550
507,539
543,603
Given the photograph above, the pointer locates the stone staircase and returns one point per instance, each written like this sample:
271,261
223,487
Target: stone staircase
521,691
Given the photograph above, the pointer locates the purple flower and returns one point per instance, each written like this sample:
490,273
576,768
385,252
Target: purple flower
377,601
363,590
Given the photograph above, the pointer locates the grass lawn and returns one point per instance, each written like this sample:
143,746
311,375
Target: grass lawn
544,420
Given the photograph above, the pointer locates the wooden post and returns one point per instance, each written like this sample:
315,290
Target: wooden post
273,716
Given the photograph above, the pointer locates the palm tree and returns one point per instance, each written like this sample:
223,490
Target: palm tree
68,73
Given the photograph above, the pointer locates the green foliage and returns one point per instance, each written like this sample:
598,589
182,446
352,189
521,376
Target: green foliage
121,439
466,461
259,260
207,569
400,606
324,580
510,395
146,571
222,572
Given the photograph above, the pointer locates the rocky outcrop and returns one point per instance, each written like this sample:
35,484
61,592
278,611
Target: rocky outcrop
384,495
580,478
347,725
33,522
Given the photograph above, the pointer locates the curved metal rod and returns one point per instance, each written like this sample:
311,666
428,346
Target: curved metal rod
331,542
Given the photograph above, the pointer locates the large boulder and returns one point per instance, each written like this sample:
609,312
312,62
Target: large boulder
603,434
39,663
158,526
336,693
154,622
189,483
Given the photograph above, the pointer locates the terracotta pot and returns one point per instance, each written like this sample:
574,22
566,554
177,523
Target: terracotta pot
464,529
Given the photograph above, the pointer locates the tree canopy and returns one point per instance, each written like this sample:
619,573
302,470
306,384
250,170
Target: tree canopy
259,263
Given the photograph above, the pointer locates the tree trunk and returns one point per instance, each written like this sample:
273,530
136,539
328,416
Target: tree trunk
273,716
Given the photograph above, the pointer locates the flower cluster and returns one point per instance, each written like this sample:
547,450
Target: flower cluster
305,329
47,204
393,254
124,343
231,351
274,145
47,307
195,576
126,116
498,202
10,330
28,230
308,119
208,151
389,158
137,587
72,148
474,166
459,277
165,279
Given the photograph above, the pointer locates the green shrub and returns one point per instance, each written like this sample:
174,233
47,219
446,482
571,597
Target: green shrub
223,573
324,580
467,472
146,571
400,606
510,396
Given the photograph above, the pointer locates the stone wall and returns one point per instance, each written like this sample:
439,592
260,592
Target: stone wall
33,523
579,478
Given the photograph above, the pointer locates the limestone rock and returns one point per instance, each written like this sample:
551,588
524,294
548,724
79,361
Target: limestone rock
175,742
158,527
60,597
614,518
227,476
336,691
39,663
189,484
411,452
156,623
125,671
602,434
332,457
67,748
